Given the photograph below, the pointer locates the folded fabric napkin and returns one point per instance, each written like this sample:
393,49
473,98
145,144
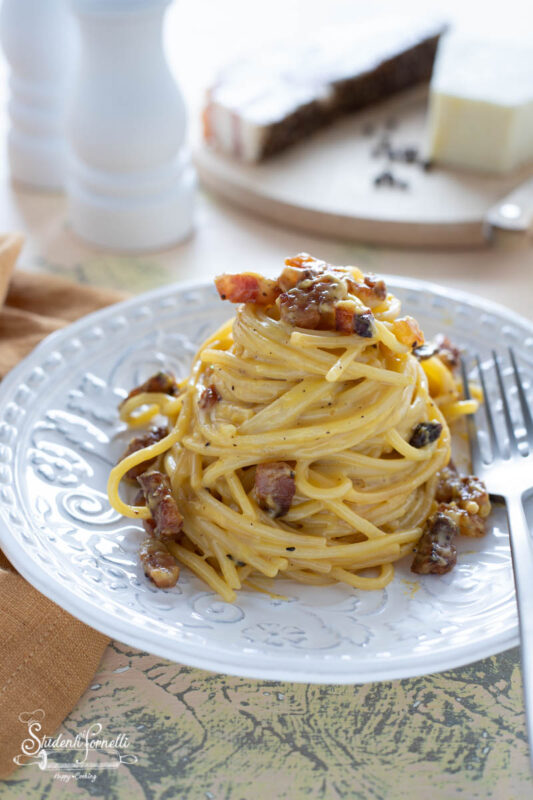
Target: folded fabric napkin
47,658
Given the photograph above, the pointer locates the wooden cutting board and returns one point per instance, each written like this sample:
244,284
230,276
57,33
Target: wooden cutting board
325,185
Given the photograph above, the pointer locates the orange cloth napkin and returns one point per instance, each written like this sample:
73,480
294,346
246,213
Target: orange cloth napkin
47,658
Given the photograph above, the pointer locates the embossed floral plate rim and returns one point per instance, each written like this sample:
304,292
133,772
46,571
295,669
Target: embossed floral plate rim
238,661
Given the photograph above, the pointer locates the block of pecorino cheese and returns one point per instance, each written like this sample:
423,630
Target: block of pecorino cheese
481,104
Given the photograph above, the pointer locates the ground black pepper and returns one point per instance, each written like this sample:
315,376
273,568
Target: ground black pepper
404,155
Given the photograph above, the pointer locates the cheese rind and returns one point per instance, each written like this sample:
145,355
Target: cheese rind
264,104
481,105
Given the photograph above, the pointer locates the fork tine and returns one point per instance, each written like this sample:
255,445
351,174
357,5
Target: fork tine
494,444
473,441
513,443
524,405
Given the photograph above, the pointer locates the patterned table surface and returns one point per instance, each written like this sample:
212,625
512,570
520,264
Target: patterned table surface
195,734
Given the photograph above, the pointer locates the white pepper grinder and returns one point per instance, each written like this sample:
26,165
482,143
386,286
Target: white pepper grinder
38,42
130,181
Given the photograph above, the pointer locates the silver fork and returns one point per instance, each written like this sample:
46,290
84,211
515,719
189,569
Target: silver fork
508,476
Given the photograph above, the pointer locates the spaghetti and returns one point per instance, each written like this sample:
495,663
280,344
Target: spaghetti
304,450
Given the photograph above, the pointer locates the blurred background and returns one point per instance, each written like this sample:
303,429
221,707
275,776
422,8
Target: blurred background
201,36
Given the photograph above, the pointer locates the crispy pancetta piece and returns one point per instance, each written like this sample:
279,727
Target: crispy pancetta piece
471,525
292,276
209,397
466,498
463,507
435,551
407,331
449,354
349,319
299,268
274,487
424,433
305,261
312,302
296,309
310,294
163,508
448,485
138,443
149,524
247,287
160,383
372,291
323,303
441,347
158,564
468,491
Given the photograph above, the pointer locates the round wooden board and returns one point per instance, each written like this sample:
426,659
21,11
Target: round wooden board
325,185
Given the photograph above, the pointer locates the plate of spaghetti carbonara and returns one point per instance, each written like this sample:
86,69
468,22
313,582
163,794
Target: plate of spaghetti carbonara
309,441
265,476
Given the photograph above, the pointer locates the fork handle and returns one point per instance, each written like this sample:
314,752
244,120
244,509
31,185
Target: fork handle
522,552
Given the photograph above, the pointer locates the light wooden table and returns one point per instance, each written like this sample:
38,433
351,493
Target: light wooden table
199,735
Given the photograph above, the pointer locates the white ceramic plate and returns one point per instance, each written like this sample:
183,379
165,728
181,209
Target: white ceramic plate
60,434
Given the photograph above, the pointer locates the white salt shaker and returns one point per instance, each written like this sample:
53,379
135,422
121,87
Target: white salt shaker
130,181
37,38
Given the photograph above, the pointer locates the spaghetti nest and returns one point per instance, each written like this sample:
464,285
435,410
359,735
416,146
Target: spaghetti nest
307,452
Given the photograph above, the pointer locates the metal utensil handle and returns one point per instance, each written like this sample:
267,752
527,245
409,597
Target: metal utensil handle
522,550
514,212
